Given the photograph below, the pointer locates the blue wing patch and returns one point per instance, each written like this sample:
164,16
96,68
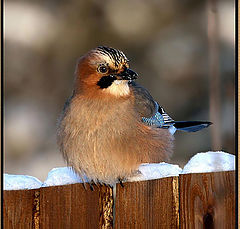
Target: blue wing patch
156,120
161,120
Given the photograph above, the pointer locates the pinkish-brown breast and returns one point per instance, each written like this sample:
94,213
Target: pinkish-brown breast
105,139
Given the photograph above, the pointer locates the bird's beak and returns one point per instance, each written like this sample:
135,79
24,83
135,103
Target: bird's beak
127,74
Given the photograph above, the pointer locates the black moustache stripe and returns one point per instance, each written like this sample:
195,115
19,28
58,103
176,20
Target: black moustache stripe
106,81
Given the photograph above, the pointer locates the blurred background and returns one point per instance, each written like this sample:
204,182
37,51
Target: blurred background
168,43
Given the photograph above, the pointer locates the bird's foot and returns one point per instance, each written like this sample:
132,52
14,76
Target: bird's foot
121,181
93,184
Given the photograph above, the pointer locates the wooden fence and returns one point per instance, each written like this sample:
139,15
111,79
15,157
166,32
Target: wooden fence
205,200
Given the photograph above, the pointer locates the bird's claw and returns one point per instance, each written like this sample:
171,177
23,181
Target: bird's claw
121,181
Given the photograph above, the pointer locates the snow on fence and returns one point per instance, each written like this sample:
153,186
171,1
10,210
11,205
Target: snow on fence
195,200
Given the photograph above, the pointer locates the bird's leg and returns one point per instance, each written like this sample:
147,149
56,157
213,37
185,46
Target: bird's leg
84,185
106,185
91,186
121,181
92,183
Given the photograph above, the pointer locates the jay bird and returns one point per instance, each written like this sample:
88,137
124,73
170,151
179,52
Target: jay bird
110,124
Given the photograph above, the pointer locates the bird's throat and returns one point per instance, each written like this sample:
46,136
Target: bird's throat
118,88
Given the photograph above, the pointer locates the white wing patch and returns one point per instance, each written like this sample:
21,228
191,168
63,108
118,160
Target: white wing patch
167,119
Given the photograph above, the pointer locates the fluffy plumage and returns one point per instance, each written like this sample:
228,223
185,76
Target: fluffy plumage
108,126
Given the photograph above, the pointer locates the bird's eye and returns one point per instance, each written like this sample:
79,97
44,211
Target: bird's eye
102,69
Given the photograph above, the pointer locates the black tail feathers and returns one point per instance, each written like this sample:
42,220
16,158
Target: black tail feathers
191,126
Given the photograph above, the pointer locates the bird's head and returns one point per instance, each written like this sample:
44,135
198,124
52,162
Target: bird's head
104,70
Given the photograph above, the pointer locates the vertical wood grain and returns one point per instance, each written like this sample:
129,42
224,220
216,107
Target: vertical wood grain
148,204
19,209
207,200
73,206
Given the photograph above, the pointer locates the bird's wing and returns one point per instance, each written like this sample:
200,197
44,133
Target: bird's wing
152,114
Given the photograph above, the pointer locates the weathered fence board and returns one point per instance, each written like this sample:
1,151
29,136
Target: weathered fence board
20,209
207,200
148,204
73,206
